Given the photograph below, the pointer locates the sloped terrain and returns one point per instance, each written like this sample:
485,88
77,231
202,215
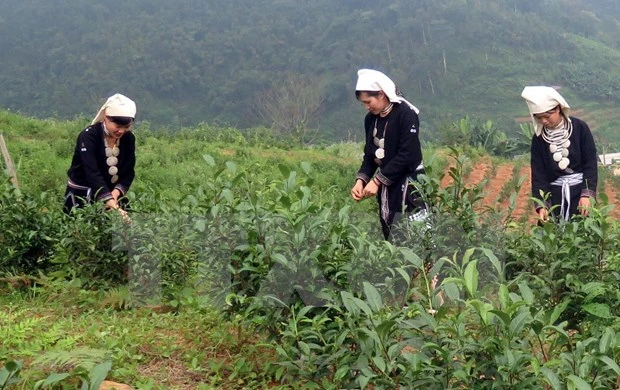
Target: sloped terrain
501,180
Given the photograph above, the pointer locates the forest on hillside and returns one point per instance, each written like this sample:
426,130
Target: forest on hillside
189,61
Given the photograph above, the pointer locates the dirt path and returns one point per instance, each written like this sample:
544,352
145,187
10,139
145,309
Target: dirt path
494,186
494,180
612,197
447,179
479,172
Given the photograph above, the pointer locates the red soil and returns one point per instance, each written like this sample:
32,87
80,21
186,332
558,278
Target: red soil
492,190
447,179
493,186
479,172
612,197
524,207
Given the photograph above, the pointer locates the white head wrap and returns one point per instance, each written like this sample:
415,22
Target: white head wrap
116,105
373,80
541,99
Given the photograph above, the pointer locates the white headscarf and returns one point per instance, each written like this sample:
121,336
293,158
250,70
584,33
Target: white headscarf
116,105
373,80
541,99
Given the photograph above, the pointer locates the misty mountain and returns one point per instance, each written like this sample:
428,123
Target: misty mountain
190,61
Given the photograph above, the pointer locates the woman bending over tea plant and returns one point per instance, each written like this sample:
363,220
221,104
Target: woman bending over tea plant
392,153
563,156
104,158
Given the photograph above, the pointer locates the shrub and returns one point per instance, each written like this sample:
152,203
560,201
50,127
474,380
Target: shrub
29,230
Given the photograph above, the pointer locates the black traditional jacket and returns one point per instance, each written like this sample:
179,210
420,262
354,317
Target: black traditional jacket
403,152
582,156
89,167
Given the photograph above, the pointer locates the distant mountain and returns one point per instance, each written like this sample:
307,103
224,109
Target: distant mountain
187,61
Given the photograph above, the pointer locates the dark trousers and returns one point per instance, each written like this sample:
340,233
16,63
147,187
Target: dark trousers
403,200
78,198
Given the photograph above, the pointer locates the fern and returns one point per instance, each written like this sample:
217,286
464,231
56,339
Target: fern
83,357
118,299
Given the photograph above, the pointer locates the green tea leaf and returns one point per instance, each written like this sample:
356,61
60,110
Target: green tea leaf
403,273
209,160
610,363
558,310
341,373
363,306
373,297
552,378
306,167
504,296
231,167
526,293
412,258
495,261
468,253
349,303
471,277
452,290
502,316
517,323
201,225
600,310
606,340
379,362
579,383
284,170
363,381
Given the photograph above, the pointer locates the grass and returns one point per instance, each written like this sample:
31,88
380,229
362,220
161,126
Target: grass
192,348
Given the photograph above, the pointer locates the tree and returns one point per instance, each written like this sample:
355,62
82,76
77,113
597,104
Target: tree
292,106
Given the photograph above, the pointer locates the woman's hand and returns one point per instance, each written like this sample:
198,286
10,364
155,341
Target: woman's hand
584,204
124,215
116,194
112,204
543,214
371,188
357,192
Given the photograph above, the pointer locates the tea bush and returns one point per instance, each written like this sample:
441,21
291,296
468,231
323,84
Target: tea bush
368,324
575,264
278,245
30,226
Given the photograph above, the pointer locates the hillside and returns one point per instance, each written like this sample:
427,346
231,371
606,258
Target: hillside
187,62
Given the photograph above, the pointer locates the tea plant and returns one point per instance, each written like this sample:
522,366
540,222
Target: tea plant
29,230
575,264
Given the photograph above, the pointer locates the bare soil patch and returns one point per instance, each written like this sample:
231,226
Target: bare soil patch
479,172
494,187
612,196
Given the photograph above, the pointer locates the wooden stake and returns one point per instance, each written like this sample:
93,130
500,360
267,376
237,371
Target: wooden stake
8,162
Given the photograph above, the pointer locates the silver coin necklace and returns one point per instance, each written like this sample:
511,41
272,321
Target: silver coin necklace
558,140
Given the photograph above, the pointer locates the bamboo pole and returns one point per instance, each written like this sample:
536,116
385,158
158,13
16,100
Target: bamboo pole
8,162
